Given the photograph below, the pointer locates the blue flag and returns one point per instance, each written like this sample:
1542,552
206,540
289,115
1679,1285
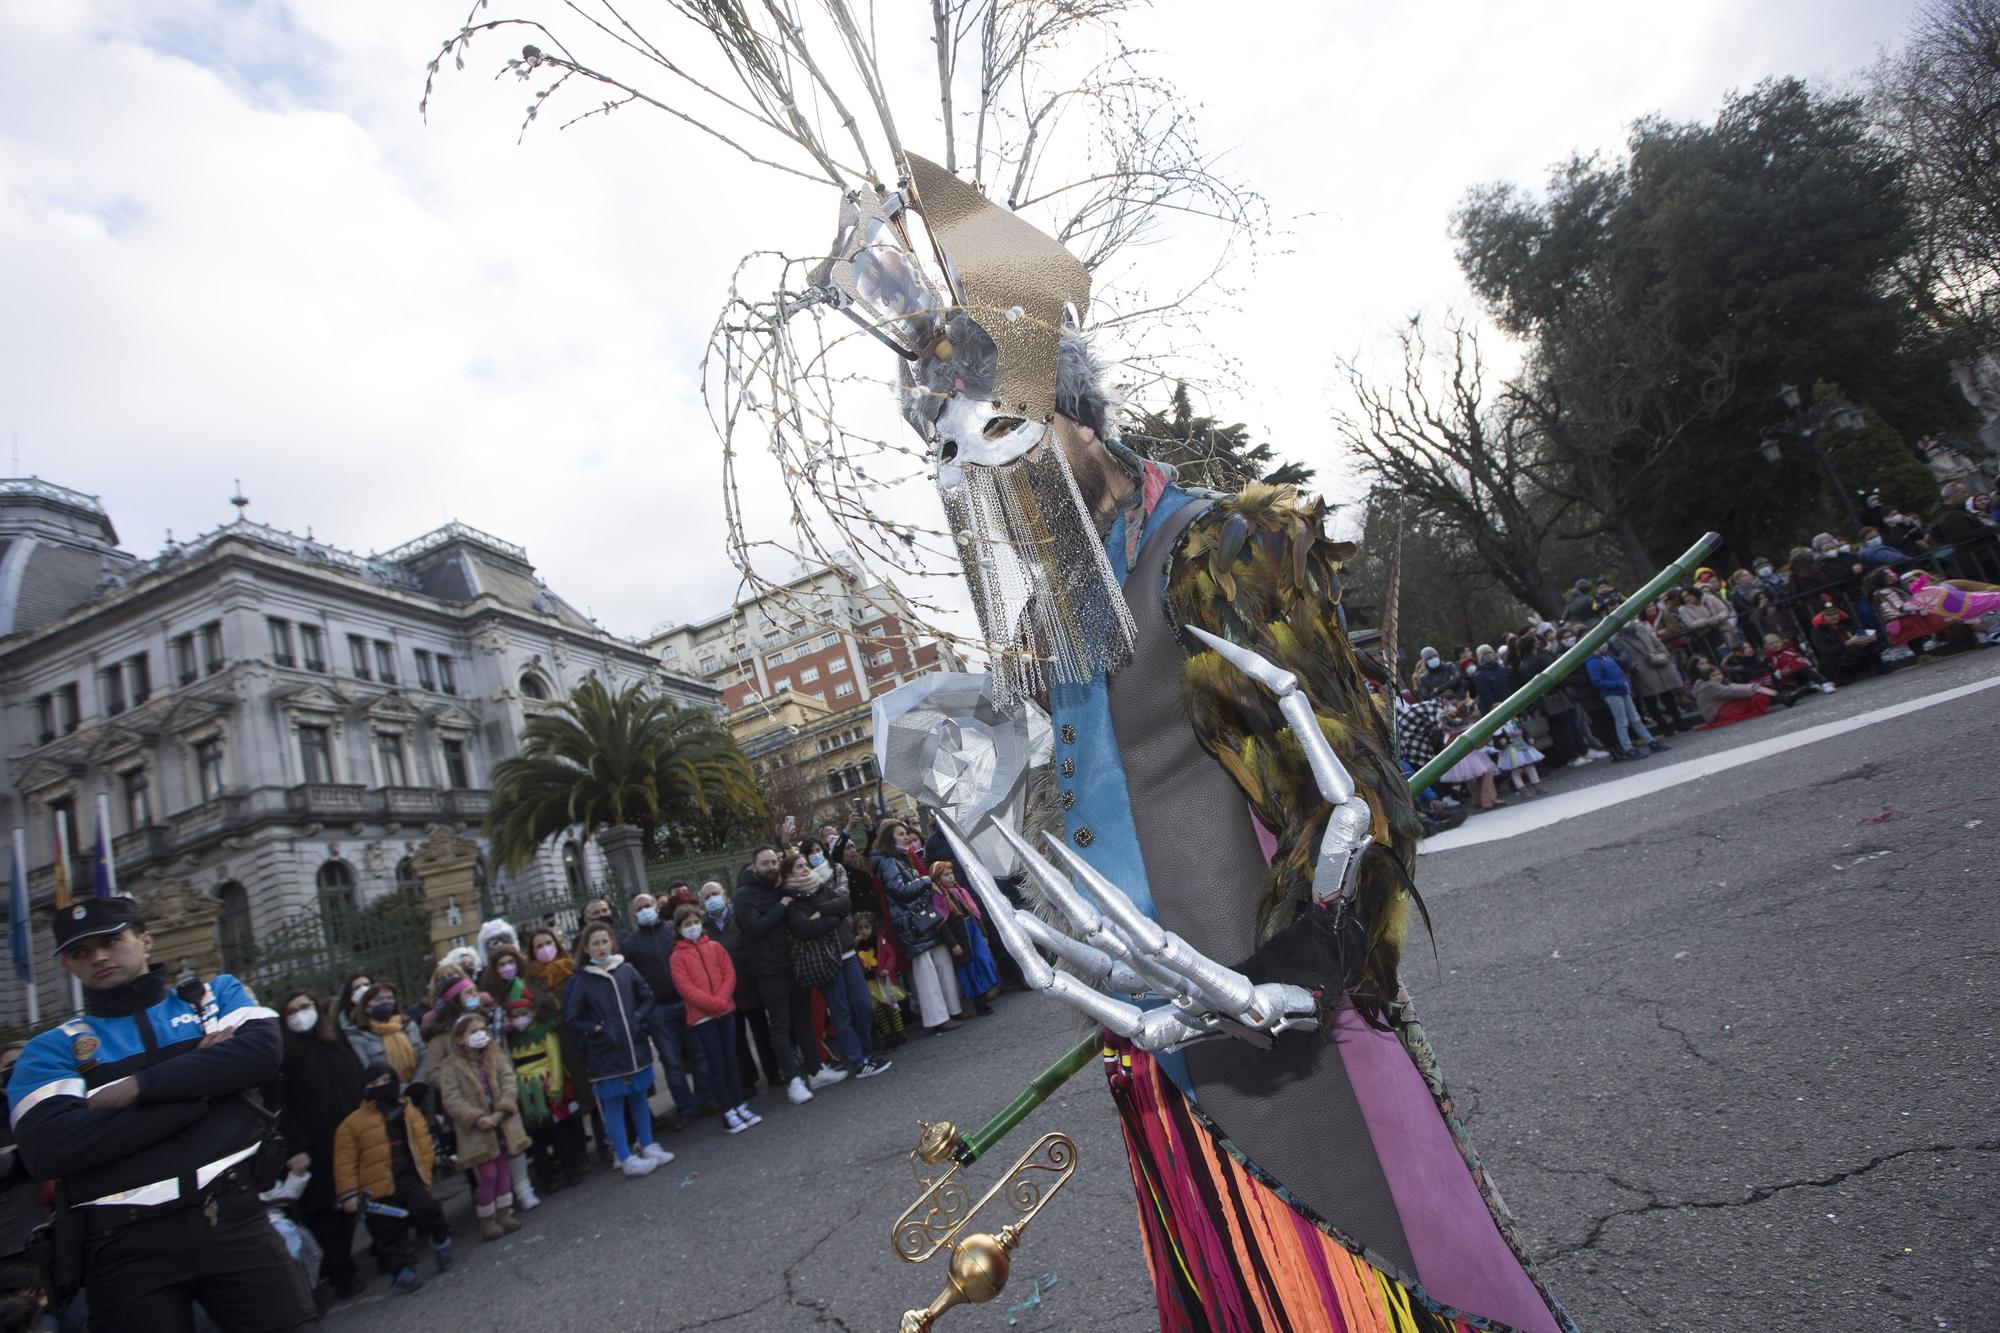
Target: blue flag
17,920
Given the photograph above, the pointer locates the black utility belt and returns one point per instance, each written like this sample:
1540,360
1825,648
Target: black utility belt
100,1219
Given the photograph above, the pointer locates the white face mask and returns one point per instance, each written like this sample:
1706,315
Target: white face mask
302,1020
690,933
478,1040
359,991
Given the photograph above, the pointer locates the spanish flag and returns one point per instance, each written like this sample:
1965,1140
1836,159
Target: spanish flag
62,863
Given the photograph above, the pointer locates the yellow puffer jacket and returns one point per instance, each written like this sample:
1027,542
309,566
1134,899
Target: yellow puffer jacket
361,1152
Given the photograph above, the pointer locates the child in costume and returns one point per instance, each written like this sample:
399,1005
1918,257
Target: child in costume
382,1153
887,996
546,1087
1518,760
477,1087
977,979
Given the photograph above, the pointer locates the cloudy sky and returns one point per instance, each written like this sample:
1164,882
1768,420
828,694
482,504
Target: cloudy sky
233,249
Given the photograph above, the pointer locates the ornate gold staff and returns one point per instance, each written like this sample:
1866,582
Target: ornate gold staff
979,1263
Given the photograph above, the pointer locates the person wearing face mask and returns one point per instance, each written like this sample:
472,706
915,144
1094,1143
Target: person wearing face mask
457,995
605,1010
707,981
1435,675
505,975
753,1025
379,1033
320,1078
545,1078
1774,579
550,968
383,1152
478,1090
648,946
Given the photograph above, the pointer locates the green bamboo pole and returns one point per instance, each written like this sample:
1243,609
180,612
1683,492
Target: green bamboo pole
975,1144
1553,674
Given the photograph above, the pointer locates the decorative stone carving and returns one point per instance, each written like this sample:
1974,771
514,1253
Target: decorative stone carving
181,920
445,863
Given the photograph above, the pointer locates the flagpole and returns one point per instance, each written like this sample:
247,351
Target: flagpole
20,925
63,892
104,883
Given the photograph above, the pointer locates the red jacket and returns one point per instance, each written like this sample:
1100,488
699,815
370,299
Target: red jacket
705,978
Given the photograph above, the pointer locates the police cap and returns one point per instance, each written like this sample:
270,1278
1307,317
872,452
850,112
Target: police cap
96,916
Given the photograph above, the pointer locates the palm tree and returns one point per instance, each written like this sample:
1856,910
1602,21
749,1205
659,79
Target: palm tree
603,758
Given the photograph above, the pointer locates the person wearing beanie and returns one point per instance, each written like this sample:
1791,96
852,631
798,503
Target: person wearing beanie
477,1088
706,980
545,1078
382,1153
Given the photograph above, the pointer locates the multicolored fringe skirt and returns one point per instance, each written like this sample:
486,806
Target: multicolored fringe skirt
1226,1252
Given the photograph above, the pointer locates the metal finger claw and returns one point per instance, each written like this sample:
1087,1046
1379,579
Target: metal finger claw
1348,827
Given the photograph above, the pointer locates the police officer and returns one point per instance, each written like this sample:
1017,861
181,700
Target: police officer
142,1110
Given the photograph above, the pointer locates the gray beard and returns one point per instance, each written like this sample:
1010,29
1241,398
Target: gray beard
1040,579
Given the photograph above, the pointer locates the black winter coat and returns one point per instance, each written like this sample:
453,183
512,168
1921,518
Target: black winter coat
916,919
834,915
319,1086
605,1010
729,933
765,922
648,948
1492,683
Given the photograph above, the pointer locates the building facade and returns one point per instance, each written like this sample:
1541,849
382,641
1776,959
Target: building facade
798,669
276,722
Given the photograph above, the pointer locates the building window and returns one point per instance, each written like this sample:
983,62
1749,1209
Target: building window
211,647
833,785
138,798
45,717
184,658
312,647
208,768
447,676
842,690
357,656
336,888
111,690
281,641
809,675
868,773
753,697
837,664
389,749
407,879
69,708
426,675
533,687
139,668
572,855
828,640
385,661
239,941
315,754
781,684
708,665
457,773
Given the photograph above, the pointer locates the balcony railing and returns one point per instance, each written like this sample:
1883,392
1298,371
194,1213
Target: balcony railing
328,800
468,802
199,821
140,846
410,801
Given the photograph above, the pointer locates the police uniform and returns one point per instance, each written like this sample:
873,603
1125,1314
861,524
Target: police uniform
162,1190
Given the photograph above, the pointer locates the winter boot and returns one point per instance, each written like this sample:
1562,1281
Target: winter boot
503,1213
489,1224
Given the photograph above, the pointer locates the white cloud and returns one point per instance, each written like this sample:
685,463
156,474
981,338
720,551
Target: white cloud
234,250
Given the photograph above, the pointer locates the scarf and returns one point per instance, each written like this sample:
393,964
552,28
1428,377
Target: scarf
397,1052
803,883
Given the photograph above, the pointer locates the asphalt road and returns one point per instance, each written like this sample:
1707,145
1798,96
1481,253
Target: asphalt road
1729,1051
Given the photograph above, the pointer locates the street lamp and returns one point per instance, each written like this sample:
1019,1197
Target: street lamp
1806,422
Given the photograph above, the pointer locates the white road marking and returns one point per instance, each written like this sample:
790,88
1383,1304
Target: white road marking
1519,819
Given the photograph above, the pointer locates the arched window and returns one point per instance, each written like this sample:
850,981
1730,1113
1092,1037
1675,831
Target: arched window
573,865
533,686
479,880
239,941
336,892
407,879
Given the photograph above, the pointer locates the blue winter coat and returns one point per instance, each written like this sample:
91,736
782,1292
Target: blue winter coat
1607,675
605,1009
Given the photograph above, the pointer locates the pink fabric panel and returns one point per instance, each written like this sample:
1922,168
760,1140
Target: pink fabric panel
1462,1260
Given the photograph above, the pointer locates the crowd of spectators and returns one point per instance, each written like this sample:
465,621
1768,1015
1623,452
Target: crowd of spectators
534,1059
1713,652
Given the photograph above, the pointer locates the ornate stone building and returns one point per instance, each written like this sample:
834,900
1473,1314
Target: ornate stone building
278,723
798,668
